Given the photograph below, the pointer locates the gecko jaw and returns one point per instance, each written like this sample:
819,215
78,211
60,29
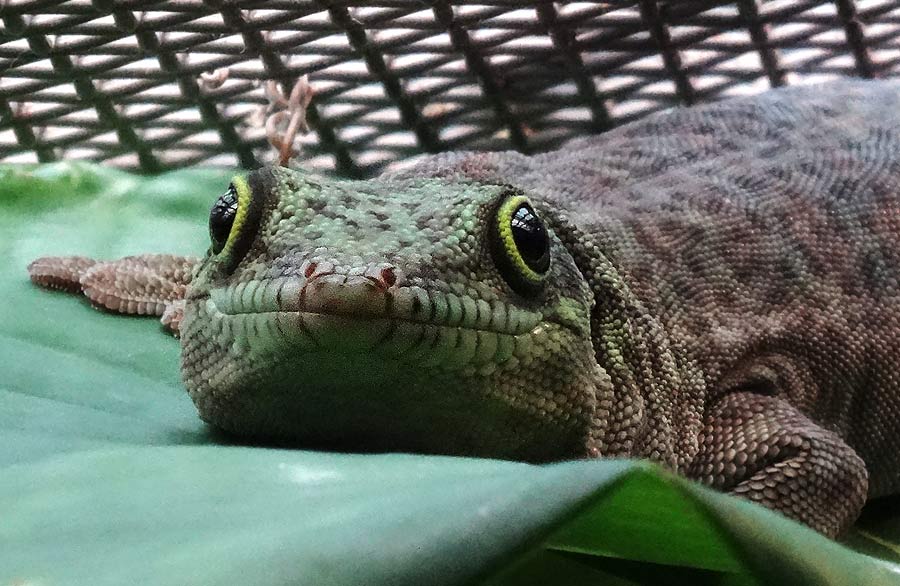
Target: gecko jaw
362,298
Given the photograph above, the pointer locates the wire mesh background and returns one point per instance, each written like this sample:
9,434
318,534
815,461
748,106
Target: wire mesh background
121,81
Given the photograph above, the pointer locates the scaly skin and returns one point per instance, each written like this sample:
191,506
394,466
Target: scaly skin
722,296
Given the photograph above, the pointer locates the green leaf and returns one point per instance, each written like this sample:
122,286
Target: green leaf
109,477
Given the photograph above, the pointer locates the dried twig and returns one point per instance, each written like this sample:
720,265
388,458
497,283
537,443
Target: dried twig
211,80
287,116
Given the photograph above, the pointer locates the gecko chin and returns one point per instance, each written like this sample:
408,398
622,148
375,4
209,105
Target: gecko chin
370,383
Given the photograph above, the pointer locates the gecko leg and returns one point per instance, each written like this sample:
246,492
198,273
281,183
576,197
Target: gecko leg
149,284
761,448
60,272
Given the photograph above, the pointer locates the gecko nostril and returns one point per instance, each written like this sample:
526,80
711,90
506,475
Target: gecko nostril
388,276
310,269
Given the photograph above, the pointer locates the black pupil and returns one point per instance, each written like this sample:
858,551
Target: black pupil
531,238
221,217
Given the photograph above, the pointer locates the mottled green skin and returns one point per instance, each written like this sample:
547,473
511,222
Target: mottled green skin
723,298
446,359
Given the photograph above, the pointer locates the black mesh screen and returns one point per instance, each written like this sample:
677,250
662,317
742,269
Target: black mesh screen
154,85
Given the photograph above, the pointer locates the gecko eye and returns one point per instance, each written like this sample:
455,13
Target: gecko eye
233,221
221,218
521,245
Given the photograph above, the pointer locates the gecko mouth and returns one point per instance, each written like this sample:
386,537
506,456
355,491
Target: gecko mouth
361,297
358,313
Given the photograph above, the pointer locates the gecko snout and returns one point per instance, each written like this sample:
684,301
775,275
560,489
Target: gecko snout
337,294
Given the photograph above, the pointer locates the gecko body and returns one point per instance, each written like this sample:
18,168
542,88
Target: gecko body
714,288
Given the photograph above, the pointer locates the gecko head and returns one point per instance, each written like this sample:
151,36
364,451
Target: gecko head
422,315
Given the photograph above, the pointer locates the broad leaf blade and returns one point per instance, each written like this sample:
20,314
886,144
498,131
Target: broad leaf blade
109,477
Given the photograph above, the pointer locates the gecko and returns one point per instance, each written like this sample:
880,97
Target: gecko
713,288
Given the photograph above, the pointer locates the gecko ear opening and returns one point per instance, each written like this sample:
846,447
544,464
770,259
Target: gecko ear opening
231,223
520,245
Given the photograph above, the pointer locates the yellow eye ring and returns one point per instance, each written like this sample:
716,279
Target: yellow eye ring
240,217
231,221
521,245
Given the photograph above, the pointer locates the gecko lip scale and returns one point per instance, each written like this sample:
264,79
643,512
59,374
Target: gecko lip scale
356,297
